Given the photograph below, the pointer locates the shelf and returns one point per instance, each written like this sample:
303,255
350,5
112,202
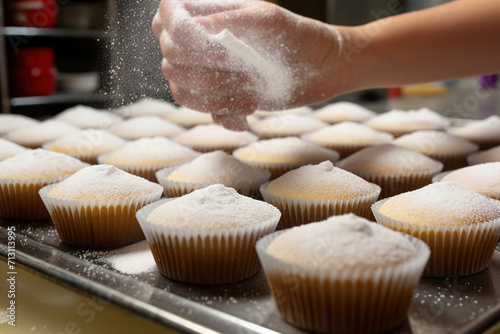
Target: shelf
53,32
58,99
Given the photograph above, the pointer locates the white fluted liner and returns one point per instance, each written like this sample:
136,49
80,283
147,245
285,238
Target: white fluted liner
96,224
455,250
204,256
180,188
19,198
343,301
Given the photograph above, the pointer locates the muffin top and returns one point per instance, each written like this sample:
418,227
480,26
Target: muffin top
483,179
435,142
343,111
441,204
389,159
188,117
39,164
214,207
411,120
9,149
288,150
214,135
288,124
302,111
349,133
85,117
320,182
146,107
345,242
145,127
491,155
488,128
90,141
217,167
150,151
103,183
11,122
41,133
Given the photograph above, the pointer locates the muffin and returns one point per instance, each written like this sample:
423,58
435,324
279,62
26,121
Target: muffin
145,127
146,107
451,150
207,236
212,168
281,155
491,155
209,138
188,118
84,117
347,137
342,275
460,226
27,172
300,111
36,135
86,145
96,206
315,192
483,179
485,133
11,122
399,122
287,125
343,112
144,157
9,149
396,169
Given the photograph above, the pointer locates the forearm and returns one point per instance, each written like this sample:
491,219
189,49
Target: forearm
455,40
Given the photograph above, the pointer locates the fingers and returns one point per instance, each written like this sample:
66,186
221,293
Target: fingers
204,8
243,103
157,27
235,122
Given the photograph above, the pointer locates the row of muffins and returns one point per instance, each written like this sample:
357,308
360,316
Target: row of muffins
319,322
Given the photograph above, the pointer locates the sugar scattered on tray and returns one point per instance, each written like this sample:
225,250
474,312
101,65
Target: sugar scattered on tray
134,259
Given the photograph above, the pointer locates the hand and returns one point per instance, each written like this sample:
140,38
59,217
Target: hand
232,59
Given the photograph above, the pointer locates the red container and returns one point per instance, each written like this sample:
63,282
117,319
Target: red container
32,72
31,13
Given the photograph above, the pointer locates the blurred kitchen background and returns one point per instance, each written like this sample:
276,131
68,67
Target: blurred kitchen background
58,53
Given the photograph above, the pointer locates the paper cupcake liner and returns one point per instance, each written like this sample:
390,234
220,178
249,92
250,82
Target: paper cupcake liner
397,183
96,224
295,212
204,256
450,161
342,301
19,199
455,250
146,171
179,188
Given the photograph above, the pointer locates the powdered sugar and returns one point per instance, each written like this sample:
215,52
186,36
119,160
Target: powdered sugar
151,151
9,149
343,111
342,242
388,159
441,204
409,120
491,155
41,133
488,128
188,117
85,117
216,167
11,122
286,150
39,163
145,126
206,135
213,207
146,107
483,179
349,133
89,141
103,183
134,259
300,111
323,181
430,141
288,124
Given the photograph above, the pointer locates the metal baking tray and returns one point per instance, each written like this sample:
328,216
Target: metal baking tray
462,305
